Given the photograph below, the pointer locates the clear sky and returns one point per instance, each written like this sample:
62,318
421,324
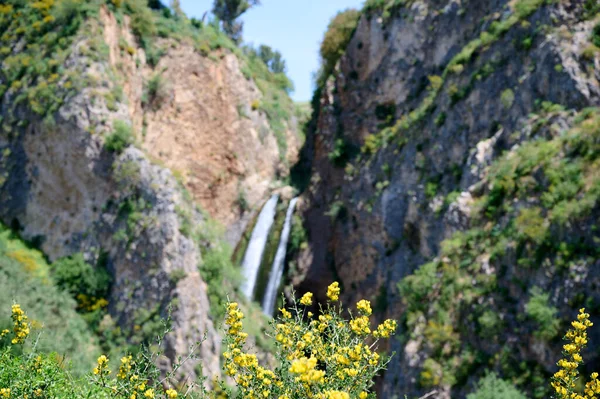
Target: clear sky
294,27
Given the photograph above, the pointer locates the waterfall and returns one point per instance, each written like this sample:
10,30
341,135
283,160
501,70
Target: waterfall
277,269
256,246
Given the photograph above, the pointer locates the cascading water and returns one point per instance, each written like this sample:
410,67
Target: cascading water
256,246
278,264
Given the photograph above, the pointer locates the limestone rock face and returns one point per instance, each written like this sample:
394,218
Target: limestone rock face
393,208
204,125
66,192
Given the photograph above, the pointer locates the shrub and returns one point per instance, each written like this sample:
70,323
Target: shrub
492,387
155,93
539,310
326,356
120,138
142,18
65,331
339,155
565,380
531,225
507,98
86,283
308,365
338,34
596,35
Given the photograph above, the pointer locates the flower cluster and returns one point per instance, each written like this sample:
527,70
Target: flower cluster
101,368
5,393
20,325
326,357
333,291
125,367
564,380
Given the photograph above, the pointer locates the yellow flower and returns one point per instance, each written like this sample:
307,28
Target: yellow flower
333,291
5,392
364,307
336,395
306,299
360,325
149,394
102,366
171,393
362,395
386,329
285,313
20,325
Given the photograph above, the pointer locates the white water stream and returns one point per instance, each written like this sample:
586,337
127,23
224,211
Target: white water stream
256,246
278,263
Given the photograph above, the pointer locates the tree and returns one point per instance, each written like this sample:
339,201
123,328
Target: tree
272,59
228,11
176,7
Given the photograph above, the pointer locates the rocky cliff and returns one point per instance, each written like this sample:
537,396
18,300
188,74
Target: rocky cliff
111,117
451,159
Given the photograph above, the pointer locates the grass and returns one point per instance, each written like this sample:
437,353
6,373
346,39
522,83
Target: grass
25,277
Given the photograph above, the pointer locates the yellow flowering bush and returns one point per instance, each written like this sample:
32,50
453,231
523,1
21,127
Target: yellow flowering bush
20,330
325,357
322,356
564,380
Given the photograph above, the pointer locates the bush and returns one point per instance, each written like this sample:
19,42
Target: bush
338,34
328,357
142,18
539,310
120,138
507,98
25,278
339,155
596,35
77,277
492,387
155,93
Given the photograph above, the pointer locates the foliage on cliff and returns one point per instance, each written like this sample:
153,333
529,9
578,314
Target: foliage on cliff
532,220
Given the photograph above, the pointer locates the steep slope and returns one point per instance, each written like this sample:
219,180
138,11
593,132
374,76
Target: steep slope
96,107
426,97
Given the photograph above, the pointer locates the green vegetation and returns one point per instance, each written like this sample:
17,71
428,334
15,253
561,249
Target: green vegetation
26,277
539,310
272,59
507,98
155,92
275,102
88,284
120,138
521,10
37,374
338,34
545,234
386,7
492,387
34,76
340,154
596,35
216,266
229,11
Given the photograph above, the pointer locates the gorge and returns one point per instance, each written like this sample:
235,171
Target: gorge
153,166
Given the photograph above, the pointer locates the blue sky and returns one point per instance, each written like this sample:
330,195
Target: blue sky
294,27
